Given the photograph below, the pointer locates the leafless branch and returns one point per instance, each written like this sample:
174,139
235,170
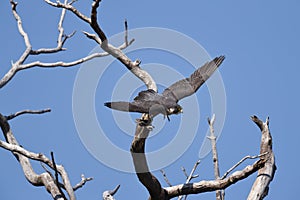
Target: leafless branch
9,117
109,194
101,39
56,176
82,182
265,175
140,163
240,162
184,172
69,7
213,185
165,177
213,140
43,179
62,38
191,176
126,31
9,75
18,65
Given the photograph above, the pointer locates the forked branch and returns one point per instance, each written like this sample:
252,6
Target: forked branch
21,64
24,156
265,175
100,38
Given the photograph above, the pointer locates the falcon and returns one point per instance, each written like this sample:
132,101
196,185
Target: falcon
153,103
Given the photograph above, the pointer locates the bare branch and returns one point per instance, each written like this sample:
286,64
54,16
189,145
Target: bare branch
9,117
93,37
94,23
109,194
82,182
213,185
12,145
184,172
140,163
165,177
265,175
191,176
62,37
61,63
22,32
126,32
14,68
110,49
18,65
240,162
213,139
56,176
23,157
69,7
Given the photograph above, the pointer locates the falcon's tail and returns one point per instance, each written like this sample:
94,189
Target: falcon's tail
121,105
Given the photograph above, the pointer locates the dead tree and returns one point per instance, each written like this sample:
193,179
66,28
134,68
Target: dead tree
54,172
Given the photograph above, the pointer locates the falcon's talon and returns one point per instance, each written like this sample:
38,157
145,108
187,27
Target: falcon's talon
150,127
143,122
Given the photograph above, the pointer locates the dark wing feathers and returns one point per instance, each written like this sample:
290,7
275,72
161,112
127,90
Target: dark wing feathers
145,95
128,107
189,86
142,103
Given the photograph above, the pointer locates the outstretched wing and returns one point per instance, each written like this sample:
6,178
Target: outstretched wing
189,86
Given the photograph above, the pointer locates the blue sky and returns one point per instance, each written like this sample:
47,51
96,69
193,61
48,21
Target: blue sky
261,45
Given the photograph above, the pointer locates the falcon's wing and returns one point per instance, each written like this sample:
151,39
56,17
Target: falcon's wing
189,86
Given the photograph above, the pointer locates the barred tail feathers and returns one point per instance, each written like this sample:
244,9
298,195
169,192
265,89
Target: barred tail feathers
121,105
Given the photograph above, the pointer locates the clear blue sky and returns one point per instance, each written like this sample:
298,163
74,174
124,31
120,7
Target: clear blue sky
260,40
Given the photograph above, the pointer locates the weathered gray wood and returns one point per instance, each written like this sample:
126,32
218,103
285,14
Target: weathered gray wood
265,175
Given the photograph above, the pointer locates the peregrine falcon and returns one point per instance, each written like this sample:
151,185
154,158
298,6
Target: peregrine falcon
153,103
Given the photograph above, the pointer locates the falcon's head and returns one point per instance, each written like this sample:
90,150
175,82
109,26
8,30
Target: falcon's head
174,110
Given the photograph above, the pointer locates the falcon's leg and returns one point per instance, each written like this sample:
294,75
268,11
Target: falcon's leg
145,120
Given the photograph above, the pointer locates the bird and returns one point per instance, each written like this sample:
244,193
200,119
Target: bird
152,103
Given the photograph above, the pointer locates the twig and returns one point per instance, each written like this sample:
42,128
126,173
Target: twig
9,117
240,162
126,32
56,176
191,176
82,182
62,37
184,172
69,7
165,177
